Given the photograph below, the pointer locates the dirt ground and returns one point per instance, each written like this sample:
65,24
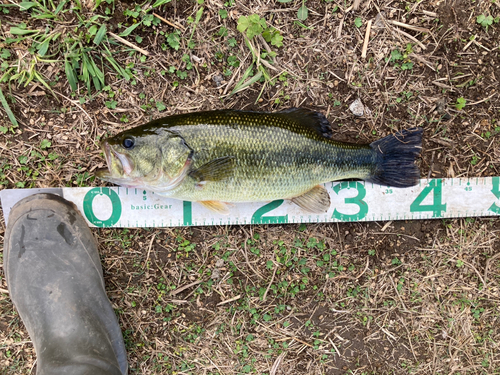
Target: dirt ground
403,297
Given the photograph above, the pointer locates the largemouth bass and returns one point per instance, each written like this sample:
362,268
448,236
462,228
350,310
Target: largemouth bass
215,157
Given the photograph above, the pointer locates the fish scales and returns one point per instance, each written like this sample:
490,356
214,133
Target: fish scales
274,156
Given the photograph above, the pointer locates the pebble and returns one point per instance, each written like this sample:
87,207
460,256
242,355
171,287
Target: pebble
357,108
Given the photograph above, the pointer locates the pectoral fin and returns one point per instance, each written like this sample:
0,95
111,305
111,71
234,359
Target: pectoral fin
316,200
215,170
217,206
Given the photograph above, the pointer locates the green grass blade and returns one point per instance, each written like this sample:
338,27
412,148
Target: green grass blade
86,70
100,35
42,81
199,13
70,75
97,83
129,29
98,73
243,79
241,86
160,3
44,16
60,6
25,5
19,31
10,114
44,46
115,65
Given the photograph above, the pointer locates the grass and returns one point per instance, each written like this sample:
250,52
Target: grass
399,297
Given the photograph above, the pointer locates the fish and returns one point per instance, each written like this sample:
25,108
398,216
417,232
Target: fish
221,157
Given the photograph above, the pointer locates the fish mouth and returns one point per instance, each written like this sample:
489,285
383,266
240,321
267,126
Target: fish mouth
119,165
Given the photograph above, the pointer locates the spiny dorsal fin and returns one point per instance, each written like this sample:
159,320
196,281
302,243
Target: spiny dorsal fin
315,201
215,170
309,119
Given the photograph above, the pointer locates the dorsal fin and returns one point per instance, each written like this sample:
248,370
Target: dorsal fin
313,122
309,119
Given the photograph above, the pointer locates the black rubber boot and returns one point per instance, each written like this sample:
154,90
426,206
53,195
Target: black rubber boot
54,276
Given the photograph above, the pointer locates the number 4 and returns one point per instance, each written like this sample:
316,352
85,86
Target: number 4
436,186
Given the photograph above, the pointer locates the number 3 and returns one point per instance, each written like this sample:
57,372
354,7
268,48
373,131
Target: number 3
357,200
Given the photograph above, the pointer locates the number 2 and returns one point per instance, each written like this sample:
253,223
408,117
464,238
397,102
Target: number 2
259,218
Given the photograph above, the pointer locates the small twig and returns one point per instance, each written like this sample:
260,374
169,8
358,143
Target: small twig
388,333
367,38
149,250
75,103
333,74
397,293
266,64
399,234
386,225
177,291
488,264
229,300
480,45
340,311
411,37
127,43
482,100
434,358
334,347
4,291
277,363
232,79
410,27
468,44
420,58
431,165
245,253
270,283
302,342
430,14
170,23
339,29
266,46
442,85
366,267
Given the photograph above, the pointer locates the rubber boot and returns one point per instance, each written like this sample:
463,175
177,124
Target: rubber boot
55,280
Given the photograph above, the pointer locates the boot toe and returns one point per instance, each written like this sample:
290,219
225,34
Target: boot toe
55,280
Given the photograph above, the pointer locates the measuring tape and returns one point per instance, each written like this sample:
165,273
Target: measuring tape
351,201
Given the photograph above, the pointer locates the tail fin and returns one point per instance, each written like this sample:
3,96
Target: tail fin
396,158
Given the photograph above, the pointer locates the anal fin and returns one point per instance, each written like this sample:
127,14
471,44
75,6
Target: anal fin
316,200
216,206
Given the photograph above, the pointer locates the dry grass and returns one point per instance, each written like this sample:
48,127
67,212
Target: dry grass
403,298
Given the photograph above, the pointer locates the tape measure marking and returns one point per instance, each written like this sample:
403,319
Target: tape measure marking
351,201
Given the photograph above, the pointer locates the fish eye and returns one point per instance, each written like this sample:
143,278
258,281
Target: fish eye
128,143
